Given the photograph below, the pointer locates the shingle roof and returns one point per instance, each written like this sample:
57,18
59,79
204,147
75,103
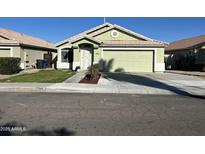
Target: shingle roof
22,39
131,43
185,43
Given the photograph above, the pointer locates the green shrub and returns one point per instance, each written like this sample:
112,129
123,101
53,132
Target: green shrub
93,71
9,65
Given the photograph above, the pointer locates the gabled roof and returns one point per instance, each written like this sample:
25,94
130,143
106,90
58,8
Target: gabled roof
101,29
12,37
83,33
86,37
186,43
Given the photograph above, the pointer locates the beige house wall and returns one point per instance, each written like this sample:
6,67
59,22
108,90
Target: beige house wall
16,52
29,56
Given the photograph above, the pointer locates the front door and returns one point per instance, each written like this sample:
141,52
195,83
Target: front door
86,58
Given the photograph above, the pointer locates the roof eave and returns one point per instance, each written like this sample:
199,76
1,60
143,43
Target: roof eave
93,40
120,45
37,47
9,44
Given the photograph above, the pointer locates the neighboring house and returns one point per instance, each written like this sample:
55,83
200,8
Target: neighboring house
186,54
115,48
29,49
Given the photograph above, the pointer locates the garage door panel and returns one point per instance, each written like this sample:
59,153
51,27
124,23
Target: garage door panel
4,52
130,61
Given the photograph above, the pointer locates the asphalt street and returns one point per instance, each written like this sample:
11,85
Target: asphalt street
100,114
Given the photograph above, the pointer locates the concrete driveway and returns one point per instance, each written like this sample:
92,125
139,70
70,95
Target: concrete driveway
153,83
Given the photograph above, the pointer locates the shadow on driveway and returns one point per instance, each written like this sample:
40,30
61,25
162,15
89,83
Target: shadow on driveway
149,82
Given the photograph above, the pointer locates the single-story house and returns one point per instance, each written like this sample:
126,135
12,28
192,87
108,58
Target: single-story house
186,54
115,48
28,48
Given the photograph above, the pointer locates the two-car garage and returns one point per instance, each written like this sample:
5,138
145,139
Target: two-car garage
129,60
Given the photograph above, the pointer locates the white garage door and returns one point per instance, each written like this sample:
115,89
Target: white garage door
128,60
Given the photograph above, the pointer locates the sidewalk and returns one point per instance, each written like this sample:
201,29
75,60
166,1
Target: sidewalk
24,87
114,89
76,78
193,73
79,88
92,88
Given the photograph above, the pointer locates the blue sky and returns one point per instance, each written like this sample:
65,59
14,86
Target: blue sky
58,29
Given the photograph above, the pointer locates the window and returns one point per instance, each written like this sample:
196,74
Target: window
64,55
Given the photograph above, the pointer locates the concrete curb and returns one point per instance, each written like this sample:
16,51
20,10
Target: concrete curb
87,90
79,91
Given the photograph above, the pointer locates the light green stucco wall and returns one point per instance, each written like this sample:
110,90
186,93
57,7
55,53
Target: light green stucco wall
76,54
97,55
160,55
121,36
76,50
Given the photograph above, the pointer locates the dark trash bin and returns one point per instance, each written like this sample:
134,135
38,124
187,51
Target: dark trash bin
39,63
45,63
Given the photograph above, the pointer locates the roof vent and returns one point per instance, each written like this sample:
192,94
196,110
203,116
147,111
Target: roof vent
114,33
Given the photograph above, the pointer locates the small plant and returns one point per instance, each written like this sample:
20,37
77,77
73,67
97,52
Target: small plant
9,65
93,72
